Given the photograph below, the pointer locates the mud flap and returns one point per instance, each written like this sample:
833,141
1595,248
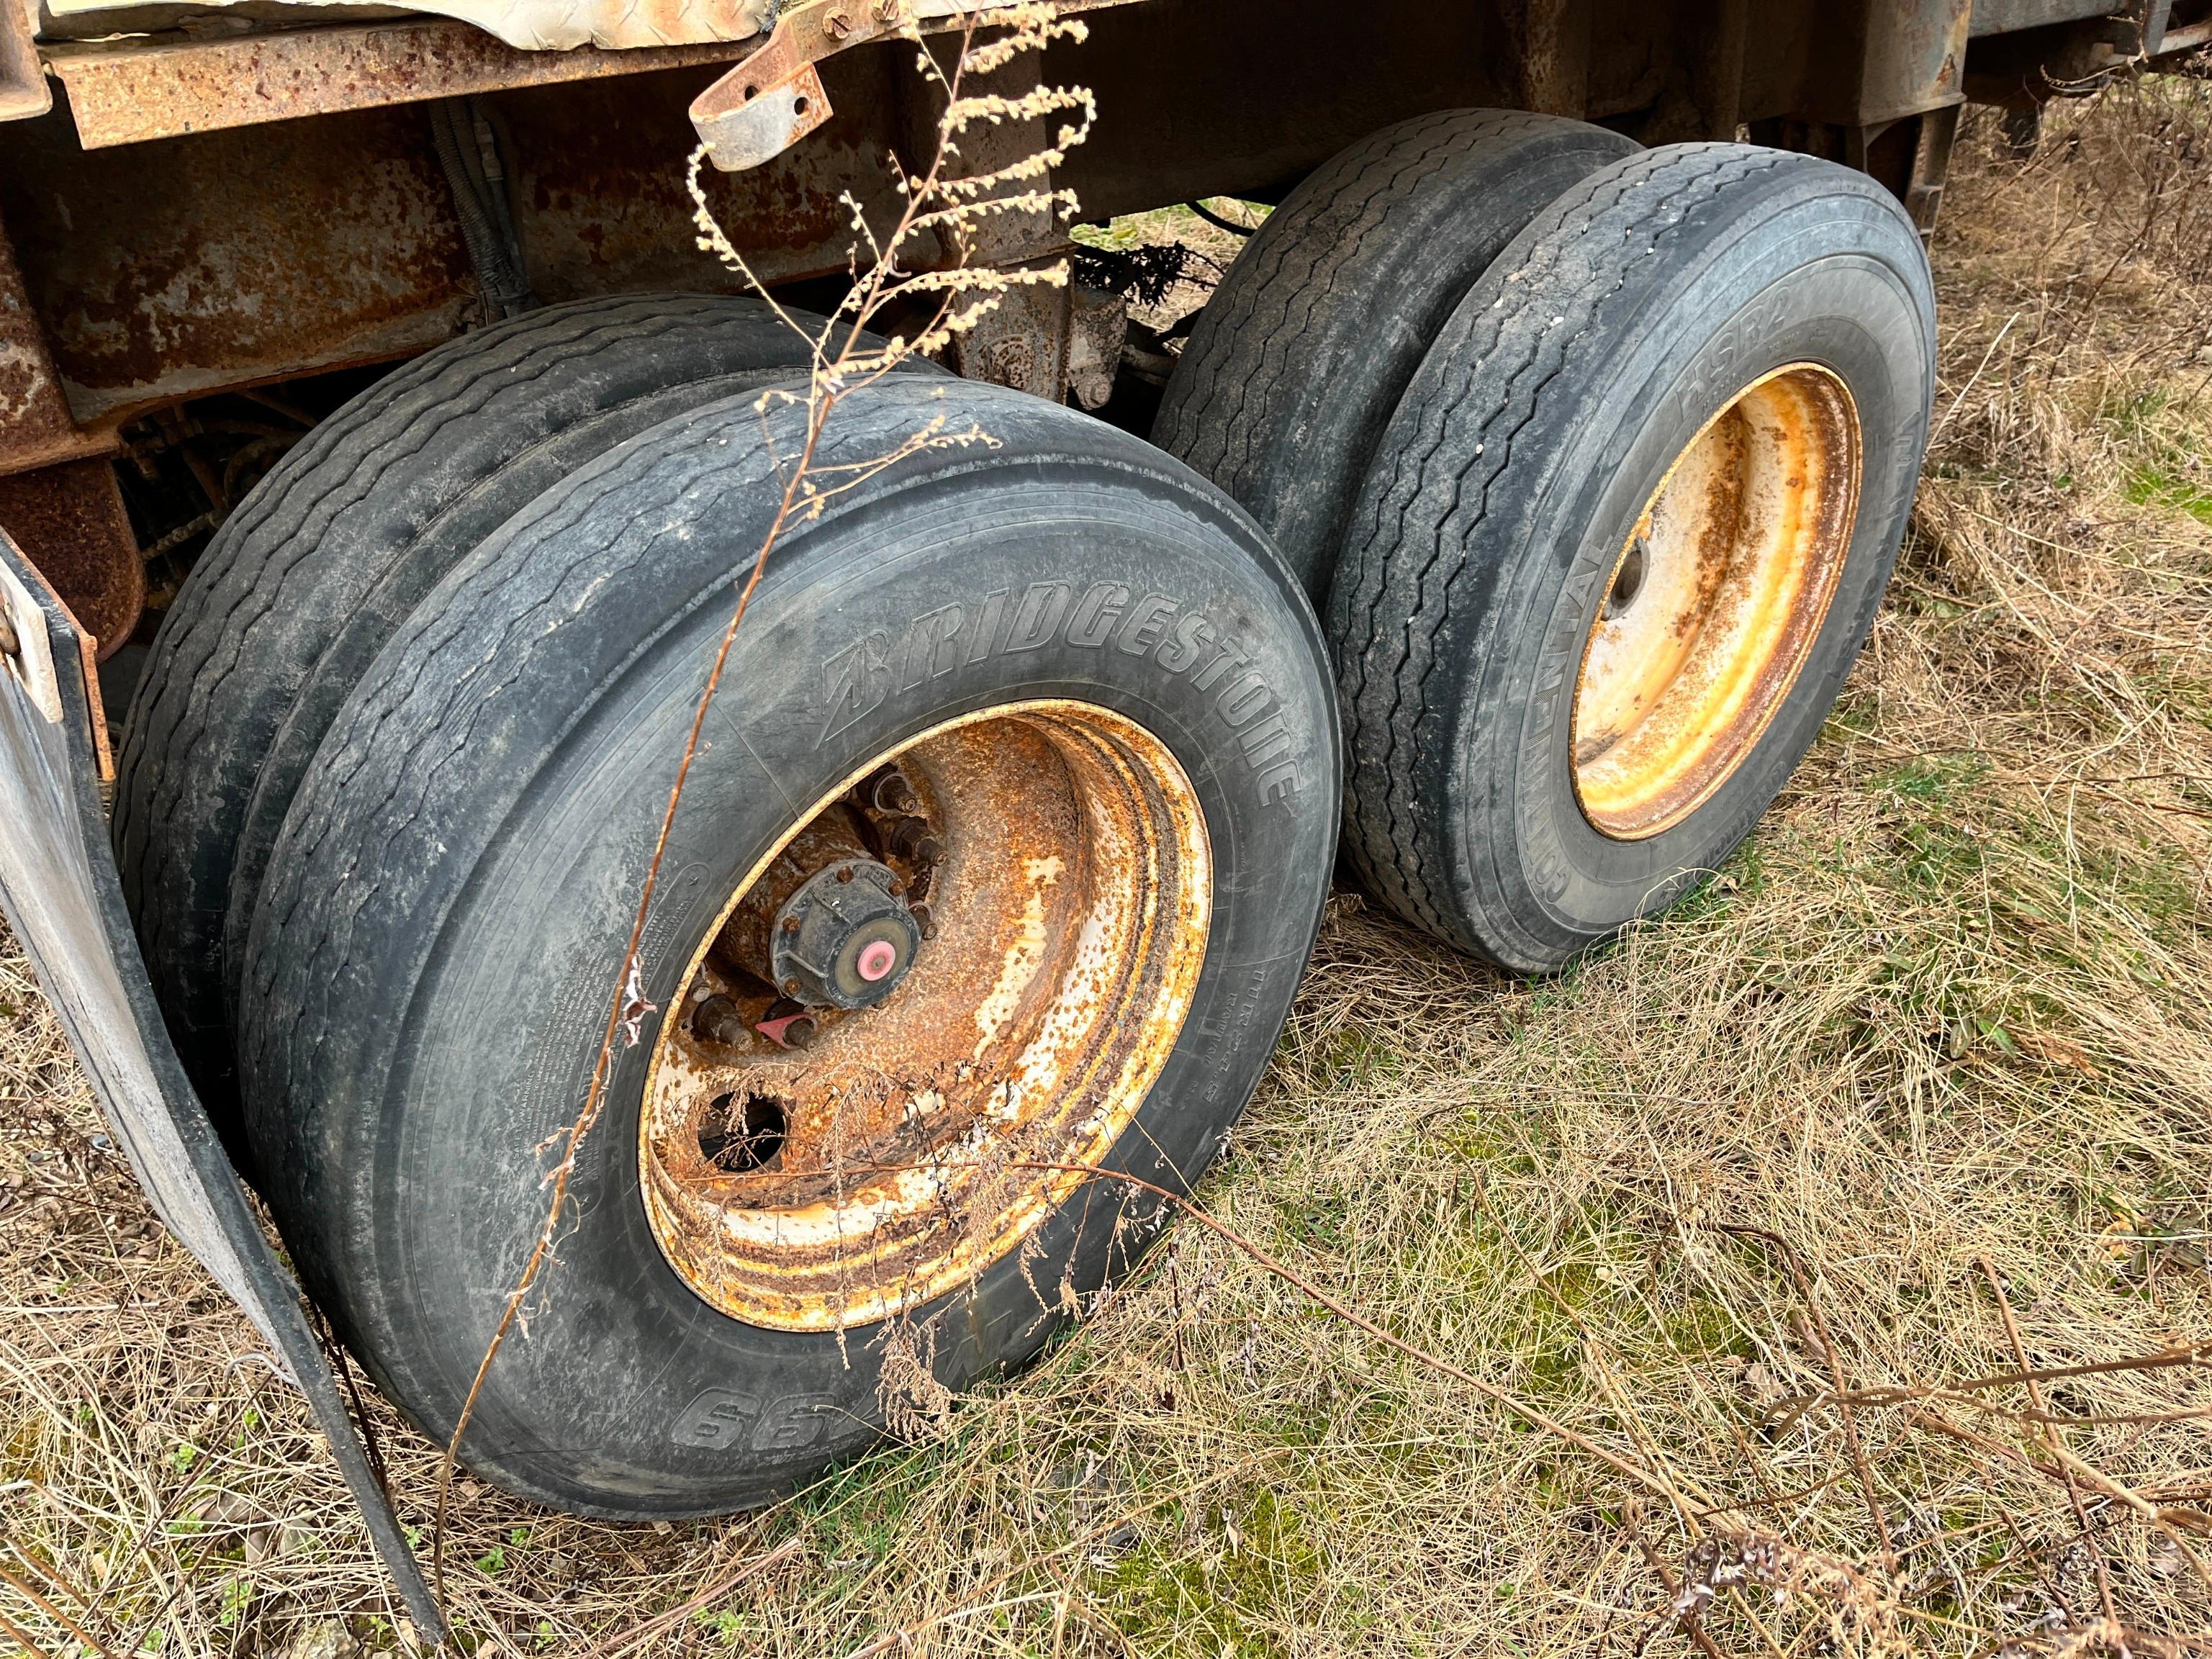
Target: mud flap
59,890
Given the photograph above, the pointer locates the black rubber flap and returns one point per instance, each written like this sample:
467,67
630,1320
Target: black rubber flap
59,889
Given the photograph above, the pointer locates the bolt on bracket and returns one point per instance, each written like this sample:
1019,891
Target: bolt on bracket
774,98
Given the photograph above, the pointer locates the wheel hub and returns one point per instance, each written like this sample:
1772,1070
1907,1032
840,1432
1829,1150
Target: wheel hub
845,939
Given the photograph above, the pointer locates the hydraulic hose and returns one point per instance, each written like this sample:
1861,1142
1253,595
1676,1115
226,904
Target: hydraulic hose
469,155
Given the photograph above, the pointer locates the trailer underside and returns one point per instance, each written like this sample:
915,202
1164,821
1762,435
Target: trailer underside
242,204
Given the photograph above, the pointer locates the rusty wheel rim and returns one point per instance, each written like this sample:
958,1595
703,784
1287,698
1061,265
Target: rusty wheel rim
1055,860
1715,602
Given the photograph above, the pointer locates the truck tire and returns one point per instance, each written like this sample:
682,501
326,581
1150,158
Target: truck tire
1053,689
1623,541
309,577
1294,368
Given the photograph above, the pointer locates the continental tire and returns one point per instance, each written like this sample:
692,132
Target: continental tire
1623,541
309,577
1041,729
1294,368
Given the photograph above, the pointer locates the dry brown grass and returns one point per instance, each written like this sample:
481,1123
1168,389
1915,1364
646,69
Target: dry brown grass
1952,1005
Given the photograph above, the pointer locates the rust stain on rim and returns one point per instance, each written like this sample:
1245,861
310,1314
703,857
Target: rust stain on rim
1715,602
1068,911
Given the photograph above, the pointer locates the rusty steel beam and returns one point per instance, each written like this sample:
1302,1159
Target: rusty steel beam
1883,61
23,90
131,91
36,427
58,496
1914,58
1717,69
215,261
1551,44
144,87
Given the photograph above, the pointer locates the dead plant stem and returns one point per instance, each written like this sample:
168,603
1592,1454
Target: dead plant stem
1797,1272
2055,1439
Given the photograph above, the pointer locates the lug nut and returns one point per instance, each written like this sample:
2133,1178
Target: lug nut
924,920
893,794
913,839
789,1024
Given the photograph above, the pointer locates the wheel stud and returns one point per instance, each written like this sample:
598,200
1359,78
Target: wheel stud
719,1021
893,794
911,839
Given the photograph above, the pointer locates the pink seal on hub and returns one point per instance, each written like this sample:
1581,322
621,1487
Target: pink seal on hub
877,959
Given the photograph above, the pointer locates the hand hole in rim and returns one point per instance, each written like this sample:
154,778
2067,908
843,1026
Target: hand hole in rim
742,1133
1628,581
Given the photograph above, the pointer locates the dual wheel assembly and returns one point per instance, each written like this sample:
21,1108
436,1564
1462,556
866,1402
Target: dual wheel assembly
1596,461
1570,474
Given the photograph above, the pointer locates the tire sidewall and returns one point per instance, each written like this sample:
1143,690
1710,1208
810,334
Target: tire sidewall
1814,283
626,1381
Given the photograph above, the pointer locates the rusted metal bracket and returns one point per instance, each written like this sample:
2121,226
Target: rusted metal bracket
774,98
36,427
23,90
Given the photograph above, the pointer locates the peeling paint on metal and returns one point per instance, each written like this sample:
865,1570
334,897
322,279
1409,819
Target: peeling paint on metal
1737,555
1070,911
525,25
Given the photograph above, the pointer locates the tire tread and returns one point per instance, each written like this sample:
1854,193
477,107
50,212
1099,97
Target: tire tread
1449,451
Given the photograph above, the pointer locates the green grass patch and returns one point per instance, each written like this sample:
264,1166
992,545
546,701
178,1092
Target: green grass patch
1224,1593
2163,486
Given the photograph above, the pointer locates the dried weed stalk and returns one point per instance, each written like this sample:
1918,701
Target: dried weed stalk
944,207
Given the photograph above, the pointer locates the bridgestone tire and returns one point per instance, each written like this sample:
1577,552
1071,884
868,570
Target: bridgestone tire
309,577
1295,367
443,923
1542,421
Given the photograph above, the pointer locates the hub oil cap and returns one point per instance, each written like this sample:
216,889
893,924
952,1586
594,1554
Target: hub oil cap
845,939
